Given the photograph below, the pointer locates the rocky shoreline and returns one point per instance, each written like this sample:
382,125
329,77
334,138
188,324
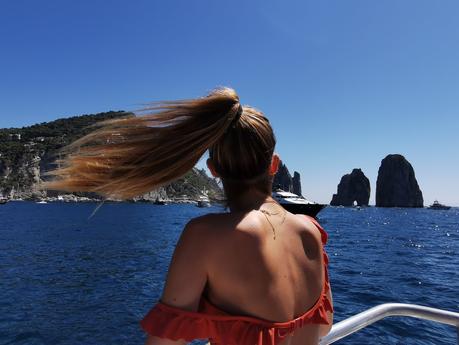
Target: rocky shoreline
71,198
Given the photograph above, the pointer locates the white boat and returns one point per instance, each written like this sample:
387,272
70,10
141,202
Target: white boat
297,204
203,201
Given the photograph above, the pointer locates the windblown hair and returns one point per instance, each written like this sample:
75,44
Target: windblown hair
127,157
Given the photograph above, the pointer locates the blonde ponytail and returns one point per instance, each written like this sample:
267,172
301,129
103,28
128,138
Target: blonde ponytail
133,155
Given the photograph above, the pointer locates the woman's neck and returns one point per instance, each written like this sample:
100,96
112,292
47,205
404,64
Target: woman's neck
249,200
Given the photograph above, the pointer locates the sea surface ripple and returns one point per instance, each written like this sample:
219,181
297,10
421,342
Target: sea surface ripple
68,278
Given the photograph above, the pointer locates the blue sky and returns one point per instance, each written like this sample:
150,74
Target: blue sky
344,83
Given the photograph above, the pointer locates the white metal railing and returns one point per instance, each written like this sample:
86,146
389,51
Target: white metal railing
366,318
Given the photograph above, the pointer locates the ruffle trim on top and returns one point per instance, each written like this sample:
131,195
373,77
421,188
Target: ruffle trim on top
173,323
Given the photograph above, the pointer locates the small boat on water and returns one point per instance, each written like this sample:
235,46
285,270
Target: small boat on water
3,201
437,206
42,202
297,204
203,201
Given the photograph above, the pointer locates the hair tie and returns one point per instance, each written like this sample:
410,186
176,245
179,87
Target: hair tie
236,118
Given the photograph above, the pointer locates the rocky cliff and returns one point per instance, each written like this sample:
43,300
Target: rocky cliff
296,183
26,153
352,187
396,185
284,180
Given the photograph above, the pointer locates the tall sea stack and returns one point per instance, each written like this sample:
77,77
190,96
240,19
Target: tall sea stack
296,183
396,185
352,187
285,181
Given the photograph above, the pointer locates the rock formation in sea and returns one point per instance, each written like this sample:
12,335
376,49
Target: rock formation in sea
352,187
396,185
284,180
296,183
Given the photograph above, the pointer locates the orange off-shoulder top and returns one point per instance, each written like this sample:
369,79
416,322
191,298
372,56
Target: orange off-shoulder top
221,328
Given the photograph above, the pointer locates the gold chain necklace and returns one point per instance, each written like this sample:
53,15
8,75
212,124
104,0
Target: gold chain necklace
267,213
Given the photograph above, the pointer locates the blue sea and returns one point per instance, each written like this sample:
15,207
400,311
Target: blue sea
68,278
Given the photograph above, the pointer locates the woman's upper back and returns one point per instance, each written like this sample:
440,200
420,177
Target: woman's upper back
251,288
251,273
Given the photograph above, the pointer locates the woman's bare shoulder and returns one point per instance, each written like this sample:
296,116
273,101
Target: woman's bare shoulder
205,227
209,220
219,228
215,221
307,227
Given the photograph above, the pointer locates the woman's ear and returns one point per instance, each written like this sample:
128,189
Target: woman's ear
274,164
211,167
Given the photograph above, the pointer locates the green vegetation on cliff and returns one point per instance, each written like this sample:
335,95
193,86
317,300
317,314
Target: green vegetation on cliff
27,152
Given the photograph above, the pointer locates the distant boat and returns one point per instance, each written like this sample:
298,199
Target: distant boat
297,204
159,202
42,202
203,202
437,206
356,206
3,201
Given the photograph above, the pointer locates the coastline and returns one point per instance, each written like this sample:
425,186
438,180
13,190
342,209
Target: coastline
71,198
